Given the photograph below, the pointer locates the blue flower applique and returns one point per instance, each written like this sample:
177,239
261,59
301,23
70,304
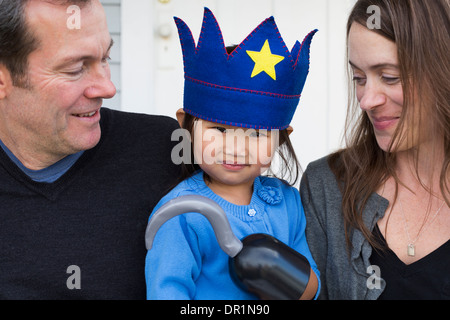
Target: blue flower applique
270,195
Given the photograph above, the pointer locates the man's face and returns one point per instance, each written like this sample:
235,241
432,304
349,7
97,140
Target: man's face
68,78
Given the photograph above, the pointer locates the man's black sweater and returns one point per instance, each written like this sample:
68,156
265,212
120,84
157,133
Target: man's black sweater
82,237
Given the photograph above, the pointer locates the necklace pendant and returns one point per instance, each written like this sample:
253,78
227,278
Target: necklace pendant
411,250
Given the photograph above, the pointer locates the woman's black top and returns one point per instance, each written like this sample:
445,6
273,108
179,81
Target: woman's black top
426,279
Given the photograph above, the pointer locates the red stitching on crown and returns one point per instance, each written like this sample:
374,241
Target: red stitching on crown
235,51
276,95
235,124
219,32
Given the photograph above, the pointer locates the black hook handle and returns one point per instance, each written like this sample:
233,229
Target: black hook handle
259,264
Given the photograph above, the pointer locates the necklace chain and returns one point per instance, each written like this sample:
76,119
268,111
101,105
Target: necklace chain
411,247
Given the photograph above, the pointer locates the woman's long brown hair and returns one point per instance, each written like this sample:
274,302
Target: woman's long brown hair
421,32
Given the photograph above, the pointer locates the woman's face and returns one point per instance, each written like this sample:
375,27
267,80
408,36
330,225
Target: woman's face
379,91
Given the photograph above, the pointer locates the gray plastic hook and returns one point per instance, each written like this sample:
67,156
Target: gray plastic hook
198,204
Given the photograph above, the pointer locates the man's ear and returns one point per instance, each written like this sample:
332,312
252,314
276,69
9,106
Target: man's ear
5,82
290,130
180,116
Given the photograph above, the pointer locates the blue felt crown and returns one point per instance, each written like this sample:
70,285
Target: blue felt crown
258,85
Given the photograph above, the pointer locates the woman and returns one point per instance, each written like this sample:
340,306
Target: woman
378,211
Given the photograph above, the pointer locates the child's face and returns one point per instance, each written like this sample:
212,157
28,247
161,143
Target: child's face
233,155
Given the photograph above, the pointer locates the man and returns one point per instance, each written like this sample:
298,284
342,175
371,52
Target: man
77,182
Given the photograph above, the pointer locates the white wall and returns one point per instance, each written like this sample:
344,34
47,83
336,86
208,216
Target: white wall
152,66
113,13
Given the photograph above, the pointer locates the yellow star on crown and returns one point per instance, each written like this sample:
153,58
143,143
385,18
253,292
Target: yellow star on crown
265,61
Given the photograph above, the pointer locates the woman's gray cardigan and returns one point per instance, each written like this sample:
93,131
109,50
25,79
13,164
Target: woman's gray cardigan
345,273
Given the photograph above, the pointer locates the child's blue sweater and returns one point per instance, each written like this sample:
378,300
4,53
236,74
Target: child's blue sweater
186,261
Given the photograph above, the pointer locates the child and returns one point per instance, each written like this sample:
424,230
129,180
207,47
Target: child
235,104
